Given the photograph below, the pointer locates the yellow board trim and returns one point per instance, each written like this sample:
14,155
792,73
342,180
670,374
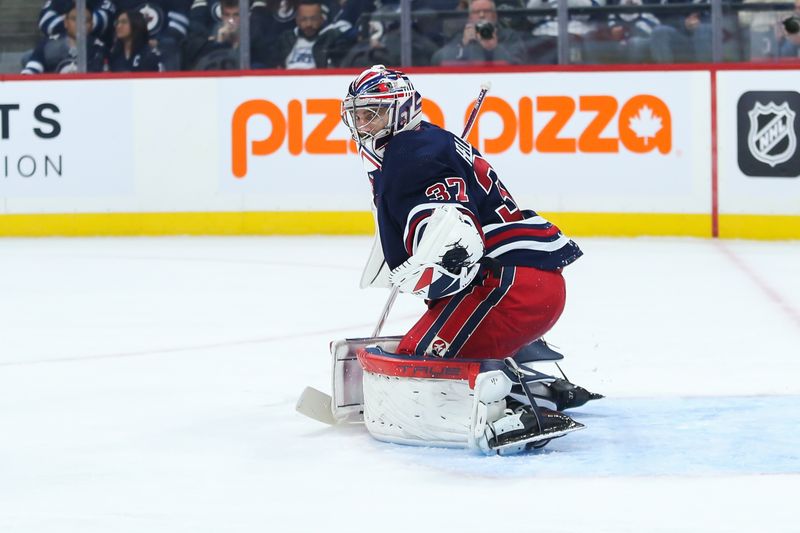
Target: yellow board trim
360,223
631,224
762,227
149,224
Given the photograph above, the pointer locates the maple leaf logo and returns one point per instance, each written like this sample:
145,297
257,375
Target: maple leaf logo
645,124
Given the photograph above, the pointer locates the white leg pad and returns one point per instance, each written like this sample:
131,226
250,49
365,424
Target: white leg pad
451,403
422,412
432,412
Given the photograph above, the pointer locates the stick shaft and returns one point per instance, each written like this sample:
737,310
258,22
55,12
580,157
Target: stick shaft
385,314
473,115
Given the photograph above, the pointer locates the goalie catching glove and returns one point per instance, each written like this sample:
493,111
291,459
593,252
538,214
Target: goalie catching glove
446,259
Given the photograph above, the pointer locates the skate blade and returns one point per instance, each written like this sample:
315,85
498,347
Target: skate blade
531,441
578,402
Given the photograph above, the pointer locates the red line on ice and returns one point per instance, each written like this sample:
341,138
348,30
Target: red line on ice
771,293
174,349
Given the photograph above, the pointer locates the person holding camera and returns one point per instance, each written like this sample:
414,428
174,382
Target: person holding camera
482,40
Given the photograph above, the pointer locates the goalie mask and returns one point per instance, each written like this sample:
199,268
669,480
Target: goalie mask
379,104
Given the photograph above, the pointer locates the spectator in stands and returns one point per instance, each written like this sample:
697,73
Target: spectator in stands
482,40
451,26
167,24
350,17
767,35
59,54
344,14
789,34
283,14
379,41
625,39
51,18
310,44
687,37
682,37
131,51
542,47
213,42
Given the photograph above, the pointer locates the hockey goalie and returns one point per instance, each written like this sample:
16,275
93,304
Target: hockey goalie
450,233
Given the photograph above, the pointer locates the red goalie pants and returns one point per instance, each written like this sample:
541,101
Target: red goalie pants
493,319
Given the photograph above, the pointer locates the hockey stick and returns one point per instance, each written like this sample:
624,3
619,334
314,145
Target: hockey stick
314,403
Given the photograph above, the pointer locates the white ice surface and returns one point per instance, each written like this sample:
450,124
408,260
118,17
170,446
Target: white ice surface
148,385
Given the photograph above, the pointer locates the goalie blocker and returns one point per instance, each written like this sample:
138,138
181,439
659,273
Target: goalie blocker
456,403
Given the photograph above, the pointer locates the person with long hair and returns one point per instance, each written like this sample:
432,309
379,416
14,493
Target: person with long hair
131,51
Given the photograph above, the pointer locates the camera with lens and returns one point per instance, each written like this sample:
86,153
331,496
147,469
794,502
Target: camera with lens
485,29
792,24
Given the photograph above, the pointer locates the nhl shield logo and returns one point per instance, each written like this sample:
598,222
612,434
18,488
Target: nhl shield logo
767,134
771,138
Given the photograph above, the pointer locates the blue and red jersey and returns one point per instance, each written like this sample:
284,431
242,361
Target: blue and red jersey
428,167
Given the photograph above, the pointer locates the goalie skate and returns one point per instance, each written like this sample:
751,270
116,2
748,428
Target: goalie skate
557,394
523,430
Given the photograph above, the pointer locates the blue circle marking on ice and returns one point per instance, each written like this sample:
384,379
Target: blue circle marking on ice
695,436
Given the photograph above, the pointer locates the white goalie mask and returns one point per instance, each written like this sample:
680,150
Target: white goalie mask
379,104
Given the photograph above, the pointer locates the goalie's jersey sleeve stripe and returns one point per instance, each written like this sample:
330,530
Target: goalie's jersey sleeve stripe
533,241
498,237
482,310
528,218
529,245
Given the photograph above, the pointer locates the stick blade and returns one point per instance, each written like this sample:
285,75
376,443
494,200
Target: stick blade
315,404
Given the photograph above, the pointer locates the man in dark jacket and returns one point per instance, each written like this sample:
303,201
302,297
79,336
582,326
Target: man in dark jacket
59,53
482,40
54,13
213,41
310,44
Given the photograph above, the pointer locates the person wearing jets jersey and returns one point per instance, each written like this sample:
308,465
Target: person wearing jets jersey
500,286
214,26
451,233
54,13
167,23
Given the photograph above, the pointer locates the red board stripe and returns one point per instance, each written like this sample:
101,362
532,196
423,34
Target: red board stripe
714,163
